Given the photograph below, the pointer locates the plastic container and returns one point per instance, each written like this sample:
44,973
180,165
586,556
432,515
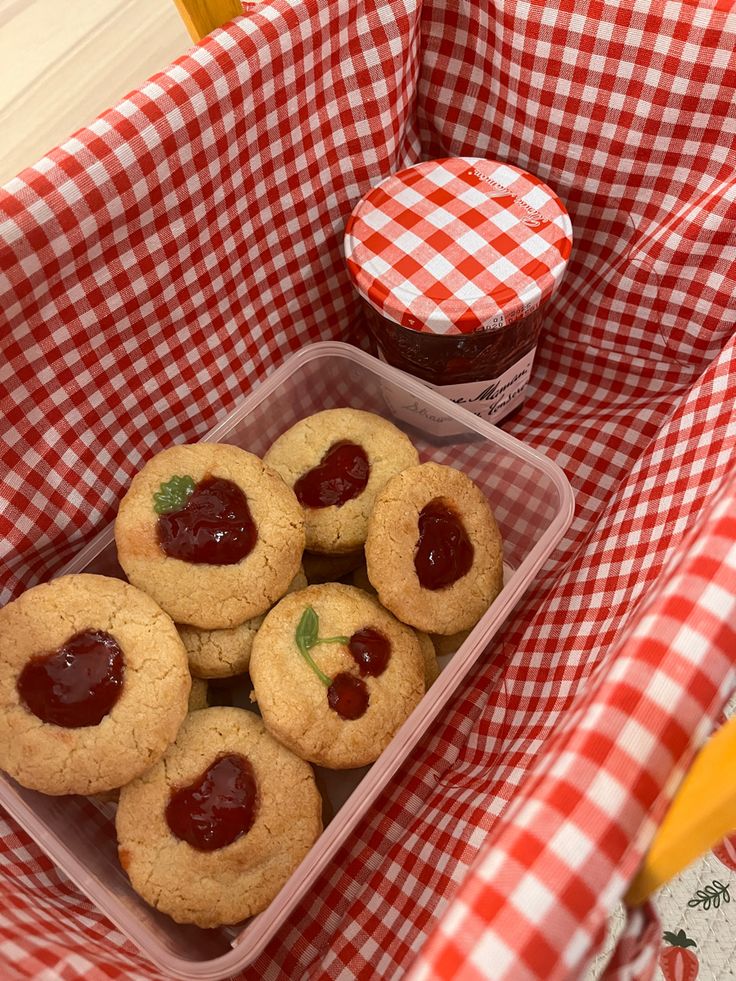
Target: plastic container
454,259
533,504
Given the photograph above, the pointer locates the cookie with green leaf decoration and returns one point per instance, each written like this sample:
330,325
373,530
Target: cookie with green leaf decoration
211,533
335,674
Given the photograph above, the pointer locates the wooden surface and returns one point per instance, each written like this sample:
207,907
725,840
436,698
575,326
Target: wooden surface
62,62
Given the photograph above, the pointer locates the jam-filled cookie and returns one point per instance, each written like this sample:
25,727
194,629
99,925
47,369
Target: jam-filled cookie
434,552
335,675
211,533
225,653
211,833
94,685
337,461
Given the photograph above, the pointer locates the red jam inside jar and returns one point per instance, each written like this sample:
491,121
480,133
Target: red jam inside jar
454,260
76,685
218,807
456,359
214,527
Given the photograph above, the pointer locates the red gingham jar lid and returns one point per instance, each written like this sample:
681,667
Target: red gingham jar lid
457,245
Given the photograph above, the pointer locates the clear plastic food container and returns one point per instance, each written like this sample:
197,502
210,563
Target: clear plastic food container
533,504
454,260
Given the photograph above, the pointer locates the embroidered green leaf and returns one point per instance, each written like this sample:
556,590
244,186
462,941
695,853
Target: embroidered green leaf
307,636
679,939
711,895
173,494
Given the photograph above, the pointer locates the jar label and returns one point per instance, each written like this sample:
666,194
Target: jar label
490,399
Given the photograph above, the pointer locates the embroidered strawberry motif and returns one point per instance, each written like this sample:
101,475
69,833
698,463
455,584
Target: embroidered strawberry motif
726,852
677,963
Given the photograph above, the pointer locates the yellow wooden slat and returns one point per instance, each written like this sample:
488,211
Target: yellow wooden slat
702,813
201,17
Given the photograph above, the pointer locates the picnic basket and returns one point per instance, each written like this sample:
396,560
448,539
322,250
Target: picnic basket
164,260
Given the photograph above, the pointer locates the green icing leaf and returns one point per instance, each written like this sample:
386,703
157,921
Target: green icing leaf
307,629
173,494
307,636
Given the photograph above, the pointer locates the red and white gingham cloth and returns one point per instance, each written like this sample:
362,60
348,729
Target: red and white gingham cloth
454,245
169,255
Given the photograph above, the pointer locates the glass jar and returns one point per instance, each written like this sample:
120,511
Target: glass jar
454,260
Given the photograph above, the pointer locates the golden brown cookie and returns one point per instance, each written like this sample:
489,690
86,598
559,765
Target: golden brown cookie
337,461
211,533
94,685
335,675
434,552
226,652
212,832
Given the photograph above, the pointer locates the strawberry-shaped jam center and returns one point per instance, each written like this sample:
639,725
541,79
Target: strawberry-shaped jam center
218,807
370,650
214,527
348,696
444,552
341,475
77,684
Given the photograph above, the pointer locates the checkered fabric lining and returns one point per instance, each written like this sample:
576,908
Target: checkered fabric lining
144,250
147,259
453,245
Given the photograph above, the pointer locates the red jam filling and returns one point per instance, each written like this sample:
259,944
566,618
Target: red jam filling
77,684
341,475
370,650
444,552
218,807
454,358
348,696
215,526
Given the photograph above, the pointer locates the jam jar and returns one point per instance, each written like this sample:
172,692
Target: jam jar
454,260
